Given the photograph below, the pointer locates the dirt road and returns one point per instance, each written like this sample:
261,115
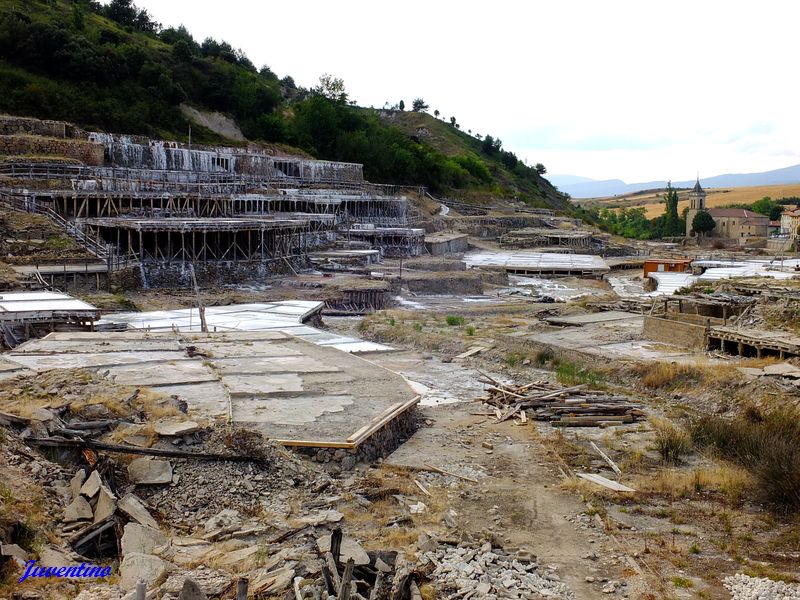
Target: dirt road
517,499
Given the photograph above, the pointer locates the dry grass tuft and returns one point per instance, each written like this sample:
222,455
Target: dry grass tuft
671,376
672,442
726,479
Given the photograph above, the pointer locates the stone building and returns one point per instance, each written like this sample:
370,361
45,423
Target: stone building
738,223
697,202
732,223
790,223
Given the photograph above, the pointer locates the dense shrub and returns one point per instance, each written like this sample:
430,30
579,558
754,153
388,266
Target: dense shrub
767,443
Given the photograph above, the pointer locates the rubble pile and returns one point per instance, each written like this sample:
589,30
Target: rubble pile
346,571
744,587
199,489
562,406
490,573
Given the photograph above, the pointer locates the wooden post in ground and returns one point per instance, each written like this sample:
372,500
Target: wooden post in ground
345,587
241,588
336,544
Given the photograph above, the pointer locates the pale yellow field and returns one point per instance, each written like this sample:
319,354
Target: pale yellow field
654,205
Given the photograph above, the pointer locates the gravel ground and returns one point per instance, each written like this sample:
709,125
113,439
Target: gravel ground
489,574
743,587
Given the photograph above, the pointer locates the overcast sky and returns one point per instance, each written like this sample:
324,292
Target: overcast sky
636,90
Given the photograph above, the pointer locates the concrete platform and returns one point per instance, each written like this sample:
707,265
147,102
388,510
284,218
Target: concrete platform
296,392
617,339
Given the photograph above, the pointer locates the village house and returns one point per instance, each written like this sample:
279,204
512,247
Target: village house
790,223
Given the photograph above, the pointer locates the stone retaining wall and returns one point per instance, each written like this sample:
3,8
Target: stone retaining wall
86,152
161,275
670,331
382,443
13,125
448,284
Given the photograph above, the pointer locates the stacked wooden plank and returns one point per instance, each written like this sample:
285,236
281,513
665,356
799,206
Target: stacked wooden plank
562,406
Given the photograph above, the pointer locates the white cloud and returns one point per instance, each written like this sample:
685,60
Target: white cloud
713,82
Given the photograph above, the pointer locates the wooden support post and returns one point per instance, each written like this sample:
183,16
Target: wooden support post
241,588
336,544
333,570
345,587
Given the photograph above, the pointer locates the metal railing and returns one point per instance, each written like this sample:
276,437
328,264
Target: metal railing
128,179
93,245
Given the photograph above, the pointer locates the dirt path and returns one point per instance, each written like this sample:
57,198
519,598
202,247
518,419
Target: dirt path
517,500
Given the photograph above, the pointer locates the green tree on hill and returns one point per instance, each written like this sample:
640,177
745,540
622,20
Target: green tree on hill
767,206
401,105
418,105
703,223
332,88
672,225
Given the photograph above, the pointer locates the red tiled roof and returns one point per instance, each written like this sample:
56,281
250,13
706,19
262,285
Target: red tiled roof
735,212
792,213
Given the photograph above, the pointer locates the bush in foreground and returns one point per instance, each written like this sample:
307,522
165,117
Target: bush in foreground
767,443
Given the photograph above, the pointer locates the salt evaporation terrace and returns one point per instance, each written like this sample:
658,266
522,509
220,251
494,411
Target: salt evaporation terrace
669,283
154,207
259,367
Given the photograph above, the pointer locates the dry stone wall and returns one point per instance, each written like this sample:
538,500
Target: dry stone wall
86,152
13,125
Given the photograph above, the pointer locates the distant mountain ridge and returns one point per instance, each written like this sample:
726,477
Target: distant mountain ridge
590,188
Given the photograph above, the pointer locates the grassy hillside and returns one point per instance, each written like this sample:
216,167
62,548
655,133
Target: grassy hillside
508,176
110,67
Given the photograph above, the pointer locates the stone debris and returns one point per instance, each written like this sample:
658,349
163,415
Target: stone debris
77,482
134,508
92,485
106,504
225,519
489,574
146,567
210,581
14,553
321,517
172,426
184,551
140,539
273,582
100,593
238,557
79,510
191,591
199,490
350,549
744,587
147,471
